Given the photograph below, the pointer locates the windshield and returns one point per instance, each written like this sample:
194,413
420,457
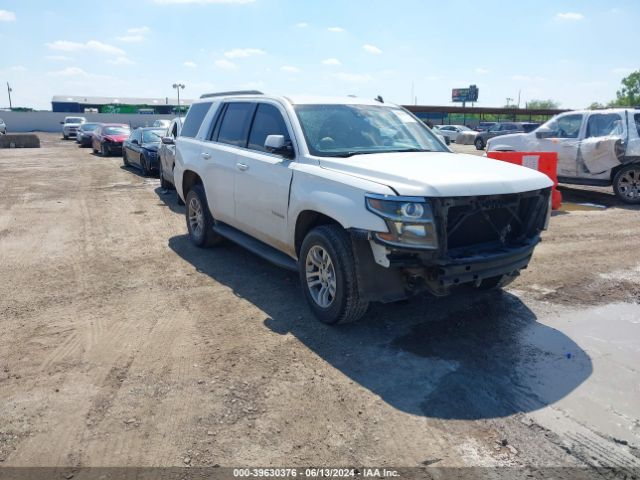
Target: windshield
346,130
152,136
89,127
74,120
464,128
116,131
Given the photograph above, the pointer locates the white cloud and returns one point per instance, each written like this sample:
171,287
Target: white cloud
243,52
371,49
7,16
58,58
352,77
190,64
289,69
623,70
201,2
122,61
138,30
135,35
481,71
17,68
69,72
225,64
336,29
571,16
92,45
302,24
332,62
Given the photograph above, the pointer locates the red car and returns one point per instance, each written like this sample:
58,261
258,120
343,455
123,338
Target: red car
108,138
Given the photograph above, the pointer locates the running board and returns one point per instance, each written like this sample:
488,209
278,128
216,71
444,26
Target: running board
256,246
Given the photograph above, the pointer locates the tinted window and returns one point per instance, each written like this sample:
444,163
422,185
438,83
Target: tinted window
268,121
152,136
115,131
192,123
235,124
637,119
602,125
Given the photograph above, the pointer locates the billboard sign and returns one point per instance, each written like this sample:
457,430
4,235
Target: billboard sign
462,95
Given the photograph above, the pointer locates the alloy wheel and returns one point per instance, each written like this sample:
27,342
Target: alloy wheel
196,217
629,184
321,276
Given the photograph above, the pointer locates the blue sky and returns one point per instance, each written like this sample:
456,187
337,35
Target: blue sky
575,52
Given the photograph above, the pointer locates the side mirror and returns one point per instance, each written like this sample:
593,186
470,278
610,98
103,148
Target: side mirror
544,132
168,141
277,145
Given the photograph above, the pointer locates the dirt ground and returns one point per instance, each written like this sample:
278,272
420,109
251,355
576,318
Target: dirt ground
124,345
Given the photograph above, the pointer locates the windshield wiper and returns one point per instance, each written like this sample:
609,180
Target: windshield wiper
371,152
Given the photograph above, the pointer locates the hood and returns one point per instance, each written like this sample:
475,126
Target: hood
116,138
440,174
510,140
151,146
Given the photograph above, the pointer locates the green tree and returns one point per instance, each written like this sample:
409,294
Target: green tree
543,104
629,94
596,106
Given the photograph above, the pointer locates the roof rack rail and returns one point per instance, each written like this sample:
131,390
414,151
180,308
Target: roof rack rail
236,92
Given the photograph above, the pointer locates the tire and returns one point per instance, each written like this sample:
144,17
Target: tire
626,184
95,152
479,143
103,150
144,167
199,219
65,137
327,258
125,160
164,183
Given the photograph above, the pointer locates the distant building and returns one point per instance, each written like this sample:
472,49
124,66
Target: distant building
81,104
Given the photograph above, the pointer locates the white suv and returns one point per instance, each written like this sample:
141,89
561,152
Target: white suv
70,126
357,196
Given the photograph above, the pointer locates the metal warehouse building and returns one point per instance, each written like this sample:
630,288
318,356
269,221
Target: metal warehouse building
80,104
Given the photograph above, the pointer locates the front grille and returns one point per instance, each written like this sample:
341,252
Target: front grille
495,220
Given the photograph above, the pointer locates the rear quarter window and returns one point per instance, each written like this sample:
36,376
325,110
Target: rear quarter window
194,119
235,123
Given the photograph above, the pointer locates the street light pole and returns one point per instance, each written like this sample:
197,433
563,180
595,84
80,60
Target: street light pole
178,86
9,90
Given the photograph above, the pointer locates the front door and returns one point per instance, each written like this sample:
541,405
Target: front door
263,180
565,140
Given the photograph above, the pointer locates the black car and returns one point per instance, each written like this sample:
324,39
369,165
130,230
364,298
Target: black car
141,149
84,134
503,128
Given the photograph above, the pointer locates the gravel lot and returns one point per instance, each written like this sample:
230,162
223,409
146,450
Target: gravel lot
122,344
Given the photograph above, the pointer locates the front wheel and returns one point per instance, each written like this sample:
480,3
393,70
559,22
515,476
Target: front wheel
144,167
329,276
479,143
626,184
103,150
125,159
199,219
163,181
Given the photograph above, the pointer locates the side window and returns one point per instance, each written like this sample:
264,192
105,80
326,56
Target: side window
137,135
268,121
192,123
637,119
174,130
235,123
568,126
602,125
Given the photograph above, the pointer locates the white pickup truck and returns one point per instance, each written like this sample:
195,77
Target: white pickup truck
359,197
595,147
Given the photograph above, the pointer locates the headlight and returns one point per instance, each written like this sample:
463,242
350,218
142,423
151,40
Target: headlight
409,220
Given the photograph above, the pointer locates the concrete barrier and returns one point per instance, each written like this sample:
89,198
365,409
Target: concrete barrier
19,140
50,121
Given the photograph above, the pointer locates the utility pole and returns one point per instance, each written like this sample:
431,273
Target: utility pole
178,86
519,92
9,90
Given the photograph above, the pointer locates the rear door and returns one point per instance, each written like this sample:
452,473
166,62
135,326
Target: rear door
228,136
263,179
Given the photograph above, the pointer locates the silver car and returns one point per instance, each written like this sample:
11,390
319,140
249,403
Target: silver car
3,126
167,153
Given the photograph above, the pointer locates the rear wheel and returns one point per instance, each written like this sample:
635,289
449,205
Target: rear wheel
479,143
328,272
626,184
163,182
125,159
199,219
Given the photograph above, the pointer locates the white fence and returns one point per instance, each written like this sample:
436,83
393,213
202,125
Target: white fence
50,121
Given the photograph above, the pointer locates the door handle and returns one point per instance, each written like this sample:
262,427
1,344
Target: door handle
242,166
205,155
